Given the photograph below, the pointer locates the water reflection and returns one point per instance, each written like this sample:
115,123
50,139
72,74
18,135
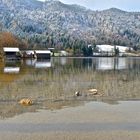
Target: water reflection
103,63
43,64
99,63
112,64
38,63
30,62
11,67
11,70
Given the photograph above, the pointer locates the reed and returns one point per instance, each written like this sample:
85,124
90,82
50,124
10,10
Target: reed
62,84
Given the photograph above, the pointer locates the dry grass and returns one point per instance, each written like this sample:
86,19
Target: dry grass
62,84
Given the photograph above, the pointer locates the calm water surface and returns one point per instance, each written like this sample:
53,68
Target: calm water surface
51,84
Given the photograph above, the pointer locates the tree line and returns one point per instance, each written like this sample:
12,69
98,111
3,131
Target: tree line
7,39
71,44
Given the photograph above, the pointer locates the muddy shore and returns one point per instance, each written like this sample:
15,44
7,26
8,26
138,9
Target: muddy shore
92,121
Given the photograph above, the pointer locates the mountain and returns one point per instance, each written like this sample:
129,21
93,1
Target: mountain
39,22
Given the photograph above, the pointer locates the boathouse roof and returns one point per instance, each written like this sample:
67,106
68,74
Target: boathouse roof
43,51
8,49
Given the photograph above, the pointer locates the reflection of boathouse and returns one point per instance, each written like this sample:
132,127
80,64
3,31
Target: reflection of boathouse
43,64
38,63
11,67
111,63
43,54
11,53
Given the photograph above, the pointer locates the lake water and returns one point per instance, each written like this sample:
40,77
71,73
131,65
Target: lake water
52,84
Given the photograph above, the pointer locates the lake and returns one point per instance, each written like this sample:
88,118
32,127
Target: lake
52,84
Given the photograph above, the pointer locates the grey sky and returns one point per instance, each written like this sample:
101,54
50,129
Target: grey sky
128,5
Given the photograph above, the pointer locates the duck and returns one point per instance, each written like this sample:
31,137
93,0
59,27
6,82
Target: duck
77,93
93,91
26,102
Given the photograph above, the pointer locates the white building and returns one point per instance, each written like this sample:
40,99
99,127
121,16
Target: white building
111,49
11,53
43,54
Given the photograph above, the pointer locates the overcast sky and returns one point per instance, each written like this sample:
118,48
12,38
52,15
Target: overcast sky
128,5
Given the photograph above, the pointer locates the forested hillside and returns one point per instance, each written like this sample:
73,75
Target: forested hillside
54,24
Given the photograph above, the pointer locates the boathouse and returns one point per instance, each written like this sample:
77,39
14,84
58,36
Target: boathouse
29,54
11,53
43,54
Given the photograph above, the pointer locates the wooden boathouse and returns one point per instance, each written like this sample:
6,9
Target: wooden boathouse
11,53
43,54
